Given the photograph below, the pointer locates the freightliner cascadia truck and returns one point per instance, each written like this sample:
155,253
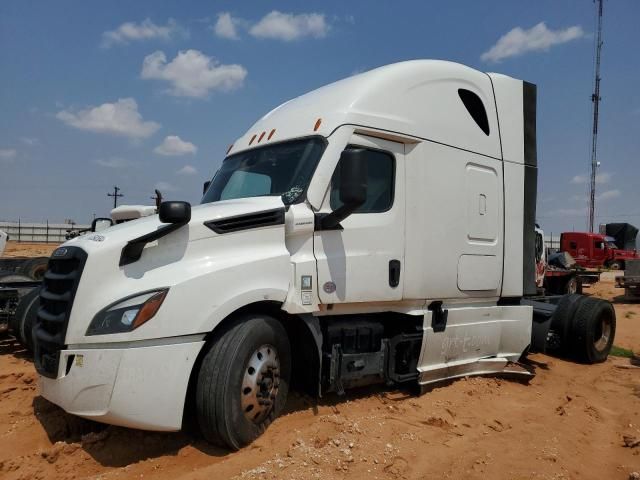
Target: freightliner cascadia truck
380,229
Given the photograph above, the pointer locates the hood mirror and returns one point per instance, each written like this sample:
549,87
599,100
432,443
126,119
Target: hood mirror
175,212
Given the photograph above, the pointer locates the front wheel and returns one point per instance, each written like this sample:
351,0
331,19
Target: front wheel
616,265
572,286
243,381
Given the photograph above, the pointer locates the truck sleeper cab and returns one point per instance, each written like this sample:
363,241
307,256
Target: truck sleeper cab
378,229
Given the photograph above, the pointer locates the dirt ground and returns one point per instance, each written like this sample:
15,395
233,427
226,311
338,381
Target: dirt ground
569,422
25,249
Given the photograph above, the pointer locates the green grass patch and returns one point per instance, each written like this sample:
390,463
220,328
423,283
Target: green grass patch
620,352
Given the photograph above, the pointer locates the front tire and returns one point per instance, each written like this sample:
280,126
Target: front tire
243,381
616,265
571,287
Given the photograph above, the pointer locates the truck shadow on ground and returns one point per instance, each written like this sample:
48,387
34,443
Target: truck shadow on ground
622,299
112,446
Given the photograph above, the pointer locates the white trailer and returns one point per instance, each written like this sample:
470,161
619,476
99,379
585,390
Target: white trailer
378,229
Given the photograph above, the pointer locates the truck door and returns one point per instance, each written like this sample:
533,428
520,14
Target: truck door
599,253
363,262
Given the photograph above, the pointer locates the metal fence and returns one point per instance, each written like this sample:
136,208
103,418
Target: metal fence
552,241
39,232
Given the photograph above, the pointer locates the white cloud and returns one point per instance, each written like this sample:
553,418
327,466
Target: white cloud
192,74
29,141
118,118
602,177
538,38
113,162
187,170
145,30
8,154
226,26
288,27
174,145
165,187
608,194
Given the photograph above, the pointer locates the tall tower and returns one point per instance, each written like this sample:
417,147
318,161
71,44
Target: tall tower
595,99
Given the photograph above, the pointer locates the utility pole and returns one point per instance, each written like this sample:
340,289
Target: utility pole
595,99
115,196
157,198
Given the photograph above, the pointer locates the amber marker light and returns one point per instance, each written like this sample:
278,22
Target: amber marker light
252,139
261,137
149,309
317,125
271,134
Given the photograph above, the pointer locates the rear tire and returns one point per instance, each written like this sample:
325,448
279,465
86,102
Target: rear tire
594,328
24,318
34,268
10,277
563,317
243,381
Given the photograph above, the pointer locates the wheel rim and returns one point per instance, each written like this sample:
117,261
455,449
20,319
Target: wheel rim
615,266
603,333
260,384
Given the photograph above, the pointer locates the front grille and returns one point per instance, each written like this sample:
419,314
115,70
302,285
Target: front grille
247,221
59,287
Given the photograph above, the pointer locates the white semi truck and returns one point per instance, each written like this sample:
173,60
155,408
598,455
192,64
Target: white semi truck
378,229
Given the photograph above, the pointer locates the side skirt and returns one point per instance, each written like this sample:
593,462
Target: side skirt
484,366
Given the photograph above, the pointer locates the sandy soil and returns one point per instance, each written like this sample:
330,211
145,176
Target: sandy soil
569,422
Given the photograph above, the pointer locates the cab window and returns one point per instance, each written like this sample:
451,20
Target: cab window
380,183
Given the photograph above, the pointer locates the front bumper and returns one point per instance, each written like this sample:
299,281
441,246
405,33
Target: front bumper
139,387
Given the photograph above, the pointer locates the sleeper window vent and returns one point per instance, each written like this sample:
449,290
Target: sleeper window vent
245,222
476,109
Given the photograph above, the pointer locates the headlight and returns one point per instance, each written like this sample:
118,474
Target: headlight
127,314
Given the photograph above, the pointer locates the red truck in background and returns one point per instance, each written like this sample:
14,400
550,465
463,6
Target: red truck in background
592,250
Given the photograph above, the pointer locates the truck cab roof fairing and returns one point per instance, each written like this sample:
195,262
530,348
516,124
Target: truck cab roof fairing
418,98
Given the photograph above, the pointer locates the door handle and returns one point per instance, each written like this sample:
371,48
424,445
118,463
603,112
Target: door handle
394,273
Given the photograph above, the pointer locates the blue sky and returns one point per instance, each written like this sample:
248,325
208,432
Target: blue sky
149,94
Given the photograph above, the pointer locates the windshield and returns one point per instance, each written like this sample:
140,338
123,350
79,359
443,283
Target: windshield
282,169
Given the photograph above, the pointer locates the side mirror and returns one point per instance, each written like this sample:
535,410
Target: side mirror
175,212
352,188
205,187
100,223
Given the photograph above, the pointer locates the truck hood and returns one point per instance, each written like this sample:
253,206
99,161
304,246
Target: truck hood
124,232
189,261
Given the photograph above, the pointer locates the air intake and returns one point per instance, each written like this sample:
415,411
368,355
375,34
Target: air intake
247,221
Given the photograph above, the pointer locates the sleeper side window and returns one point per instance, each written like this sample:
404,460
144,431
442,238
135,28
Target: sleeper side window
573,245
380,183
475,107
